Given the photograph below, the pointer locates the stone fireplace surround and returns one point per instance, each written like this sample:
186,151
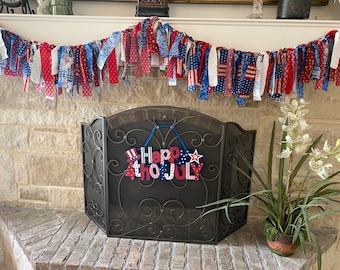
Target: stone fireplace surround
40,133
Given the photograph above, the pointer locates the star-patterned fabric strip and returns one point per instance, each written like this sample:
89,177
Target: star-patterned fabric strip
288,76
222,54
46,70
193,69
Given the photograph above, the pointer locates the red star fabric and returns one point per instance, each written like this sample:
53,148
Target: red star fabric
112,67
46,69
151,38
308,65
288,75
229,73
84,72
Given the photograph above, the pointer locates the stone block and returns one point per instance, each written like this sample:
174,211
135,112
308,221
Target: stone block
54,138
8,190
78,253
134,256
15,97
95,249
179,256
33,193
59,259
148,255
72,198
87,112
56,170
323,104
20,168
14,256
38,117
247,118
209,257
239,258
107,253
121,253
2,253
12,136
224,258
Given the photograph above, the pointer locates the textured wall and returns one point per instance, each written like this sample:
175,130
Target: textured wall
40,140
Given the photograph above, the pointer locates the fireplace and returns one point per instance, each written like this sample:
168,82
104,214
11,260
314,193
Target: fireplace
147,169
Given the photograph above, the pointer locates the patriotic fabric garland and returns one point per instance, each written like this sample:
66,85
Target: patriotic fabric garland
207,69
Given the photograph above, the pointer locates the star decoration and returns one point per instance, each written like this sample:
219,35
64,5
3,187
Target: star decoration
195,157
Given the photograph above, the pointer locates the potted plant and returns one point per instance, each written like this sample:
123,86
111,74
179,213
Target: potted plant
291,199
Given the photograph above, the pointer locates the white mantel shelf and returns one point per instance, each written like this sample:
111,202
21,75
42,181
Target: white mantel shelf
242,34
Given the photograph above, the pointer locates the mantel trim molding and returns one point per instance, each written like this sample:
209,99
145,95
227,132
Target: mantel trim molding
242,34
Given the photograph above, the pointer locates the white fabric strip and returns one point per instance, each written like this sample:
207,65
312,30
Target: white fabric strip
212,67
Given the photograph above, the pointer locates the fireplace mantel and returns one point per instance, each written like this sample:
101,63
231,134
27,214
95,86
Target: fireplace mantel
242,34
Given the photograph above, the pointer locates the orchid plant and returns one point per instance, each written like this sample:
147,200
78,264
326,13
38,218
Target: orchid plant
288,198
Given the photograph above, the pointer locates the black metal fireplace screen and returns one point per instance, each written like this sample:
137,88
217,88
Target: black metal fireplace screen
147,169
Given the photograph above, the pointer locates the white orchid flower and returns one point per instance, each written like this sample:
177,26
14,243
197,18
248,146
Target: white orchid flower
297,140
302,101
282,120
316,153
325,171
289,139
306,139
291,116
303,124
337,158
285,153
300,149
326,147
315,165
338,140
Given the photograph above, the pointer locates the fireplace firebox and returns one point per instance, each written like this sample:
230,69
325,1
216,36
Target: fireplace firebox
147,169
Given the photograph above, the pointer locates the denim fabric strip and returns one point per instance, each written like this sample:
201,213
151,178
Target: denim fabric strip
107,48
162,39
89,56
330,43
204,91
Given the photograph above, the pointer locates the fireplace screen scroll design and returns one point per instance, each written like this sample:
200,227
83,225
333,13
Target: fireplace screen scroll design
147,169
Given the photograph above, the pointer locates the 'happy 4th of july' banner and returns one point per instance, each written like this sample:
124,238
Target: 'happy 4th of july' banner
166,164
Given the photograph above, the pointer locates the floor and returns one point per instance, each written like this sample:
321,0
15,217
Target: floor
53,239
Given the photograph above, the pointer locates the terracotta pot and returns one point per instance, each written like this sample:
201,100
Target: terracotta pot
283,245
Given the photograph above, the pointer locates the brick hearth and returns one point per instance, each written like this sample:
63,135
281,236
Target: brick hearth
53,239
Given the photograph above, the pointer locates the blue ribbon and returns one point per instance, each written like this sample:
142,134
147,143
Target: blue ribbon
89,58
162,39
164,126
327,63
204,91
144,32
303,50
174,50
108,48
